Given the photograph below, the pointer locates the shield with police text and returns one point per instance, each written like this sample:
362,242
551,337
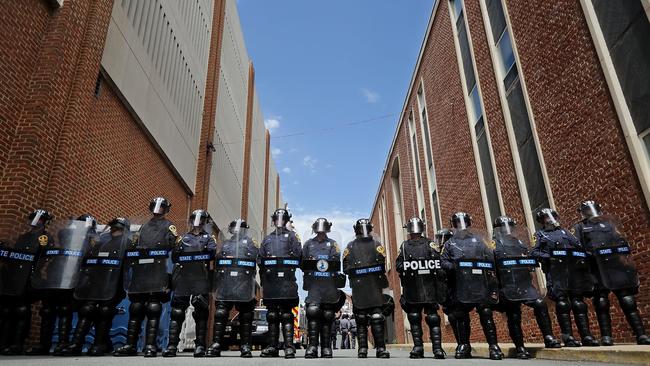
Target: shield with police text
147,261
17,262
476,278
365,260
280,254
570,269
100,275
520,276
192,258
423,279
321,265
236,265
59,263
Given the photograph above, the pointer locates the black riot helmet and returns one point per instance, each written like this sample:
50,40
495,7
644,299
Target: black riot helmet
199,218
363,228
90,221
119,223
280,217
548,218
238,226
321,225
40,216
415,226
159,205
461,220
504,224
442,236
590,209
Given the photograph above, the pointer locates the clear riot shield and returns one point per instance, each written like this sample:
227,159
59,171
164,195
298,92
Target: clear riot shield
476,277
192,273
236,265
147,261
101,270
423,279
17,262
59,263
520,275
279,261
321,265
366,270
570,269
612,254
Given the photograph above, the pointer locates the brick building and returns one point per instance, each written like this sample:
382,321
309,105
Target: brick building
514,107
105,104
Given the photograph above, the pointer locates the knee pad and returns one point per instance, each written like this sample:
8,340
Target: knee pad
106,311
377,317
154,309
485,312
562,306
538,304
46,311
272,317
22,310
87,309
579,306
177,314
361,318
328,315
601,302
136,309
628,304
221,312
432,320
414,317
314,311
287,317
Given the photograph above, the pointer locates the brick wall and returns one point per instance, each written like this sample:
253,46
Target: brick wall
580,135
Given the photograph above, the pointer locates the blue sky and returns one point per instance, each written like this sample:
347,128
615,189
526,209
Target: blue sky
321,65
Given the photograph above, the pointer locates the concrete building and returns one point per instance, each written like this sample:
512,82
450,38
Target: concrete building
512,108
105,104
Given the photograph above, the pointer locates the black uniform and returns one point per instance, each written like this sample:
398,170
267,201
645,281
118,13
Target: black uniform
424,288
191,282
568,279
147,283
322,280
364,262
471,271
280,256
613,271
16,266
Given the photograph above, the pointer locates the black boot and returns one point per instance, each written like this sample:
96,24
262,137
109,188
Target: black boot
103,323
325,334
21,317
628,305
136,316
65,325
154,310
543,319
516,334
464,349
246,334
362,335
582,322
490,331
415,320
47,328
377,327
220,319
201,330
271,349
563,313
79,337
177,317
435,333
601,305
313,332
287,332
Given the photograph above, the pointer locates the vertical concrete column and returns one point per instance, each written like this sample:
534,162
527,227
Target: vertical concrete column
248,137
267,163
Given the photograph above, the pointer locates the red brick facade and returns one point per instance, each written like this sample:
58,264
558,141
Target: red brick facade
581,138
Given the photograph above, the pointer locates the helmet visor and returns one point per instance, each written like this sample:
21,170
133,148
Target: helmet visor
320,226
197,219
157,208
415,226
590,211
37,217
279,219
460,223
549,218
365,232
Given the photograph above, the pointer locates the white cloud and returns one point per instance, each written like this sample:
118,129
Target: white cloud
276,152
371,95
286,170
272,122
310,163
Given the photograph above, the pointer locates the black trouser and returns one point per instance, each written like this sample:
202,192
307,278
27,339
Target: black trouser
99,313
513,313
320,318
565,303
15,319
246,313
459,314
374,318
279,313
627,301
177,317
149,306
55,305
414,314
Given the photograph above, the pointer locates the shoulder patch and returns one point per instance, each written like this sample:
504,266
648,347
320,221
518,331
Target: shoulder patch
42,240
213,237
492,244
172,229
298,237
255,243
335,246
381,250
346,252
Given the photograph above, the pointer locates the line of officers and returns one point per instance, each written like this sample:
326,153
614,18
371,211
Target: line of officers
89,272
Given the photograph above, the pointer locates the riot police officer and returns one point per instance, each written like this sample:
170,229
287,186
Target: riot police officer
100,289
568,276
441,238
613,270
280,256
16,266
364,261
147,278
423,286
321,264
191,282
234,286
470,265
54,279
519,278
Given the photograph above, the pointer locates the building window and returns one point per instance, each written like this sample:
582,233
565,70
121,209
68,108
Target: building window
521,124
431,172
476,113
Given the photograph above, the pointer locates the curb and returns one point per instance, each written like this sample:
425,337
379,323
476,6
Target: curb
621,354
